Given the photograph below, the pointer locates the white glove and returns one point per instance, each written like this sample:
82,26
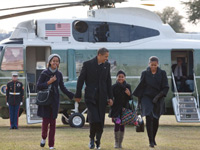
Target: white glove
21,103
7,104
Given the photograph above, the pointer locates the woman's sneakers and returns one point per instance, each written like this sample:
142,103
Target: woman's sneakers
51,148
42,143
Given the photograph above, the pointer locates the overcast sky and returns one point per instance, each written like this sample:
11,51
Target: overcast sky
81,11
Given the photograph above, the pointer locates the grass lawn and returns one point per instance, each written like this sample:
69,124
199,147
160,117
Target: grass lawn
171,136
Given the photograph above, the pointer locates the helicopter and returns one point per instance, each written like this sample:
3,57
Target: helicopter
131,34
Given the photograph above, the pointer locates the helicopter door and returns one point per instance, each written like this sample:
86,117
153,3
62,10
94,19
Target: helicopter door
185,81
36,58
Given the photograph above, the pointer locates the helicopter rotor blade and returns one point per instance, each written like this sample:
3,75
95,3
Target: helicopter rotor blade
31,6
148,4
37,11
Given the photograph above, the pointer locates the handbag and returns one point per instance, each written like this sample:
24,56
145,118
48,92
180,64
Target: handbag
128,117
44,97
140,126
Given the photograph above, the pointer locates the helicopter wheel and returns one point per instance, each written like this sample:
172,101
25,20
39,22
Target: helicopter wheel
65,118
76,120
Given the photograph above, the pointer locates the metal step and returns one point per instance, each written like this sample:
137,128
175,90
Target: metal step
185,93
189,117
187,110
188,113
186,99
187,105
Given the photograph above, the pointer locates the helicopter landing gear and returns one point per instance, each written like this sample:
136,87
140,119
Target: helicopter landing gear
65,118
76,119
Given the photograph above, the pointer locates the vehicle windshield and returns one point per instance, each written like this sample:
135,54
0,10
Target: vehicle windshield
12,59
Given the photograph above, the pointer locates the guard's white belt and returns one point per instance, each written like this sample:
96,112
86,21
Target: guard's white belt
11,93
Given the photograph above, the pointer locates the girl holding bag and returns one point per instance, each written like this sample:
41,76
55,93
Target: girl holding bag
121,94
51,76
152,89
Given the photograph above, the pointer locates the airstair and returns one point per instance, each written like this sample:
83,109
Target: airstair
186,105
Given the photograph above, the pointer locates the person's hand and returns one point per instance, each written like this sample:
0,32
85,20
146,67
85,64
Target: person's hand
157,97
21,103
7,104
52,79
78,100
110,102
128,92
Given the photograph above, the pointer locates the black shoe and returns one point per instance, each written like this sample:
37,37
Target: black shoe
154,142
15,127
42,143
151,144
91,144
98,145
12,128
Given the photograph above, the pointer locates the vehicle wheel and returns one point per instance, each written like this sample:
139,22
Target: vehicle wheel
64,120
76,120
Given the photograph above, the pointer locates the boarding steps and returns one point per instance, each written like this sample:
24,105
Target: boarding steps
186,109
186,105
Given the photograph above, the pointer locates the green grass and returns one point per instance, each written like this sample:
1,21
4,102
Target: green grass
171,136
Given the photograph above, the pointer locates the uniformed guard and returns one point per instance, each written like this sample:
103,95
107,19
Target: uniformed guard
14,99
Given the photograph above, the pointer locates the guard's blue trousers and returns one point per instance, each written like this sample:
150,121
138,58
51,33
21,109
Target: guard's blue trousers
14,114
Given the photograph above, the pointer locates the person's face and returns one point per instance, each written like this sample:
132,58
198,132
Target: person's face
121,78
180,62
153,65
14,78
54,62
103,58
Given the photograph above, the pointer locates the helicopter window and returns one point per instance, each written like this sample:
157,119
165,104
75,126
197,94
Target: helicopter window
80,26
13,59
101,33
111,32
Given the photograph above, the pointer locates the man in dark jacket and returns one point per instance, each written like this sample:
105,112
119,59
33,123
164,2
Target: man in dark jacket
95,74
14,98
180,74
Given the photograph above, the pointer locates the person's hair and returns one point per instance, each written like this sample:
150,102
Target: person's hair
102,51
121,72
153,58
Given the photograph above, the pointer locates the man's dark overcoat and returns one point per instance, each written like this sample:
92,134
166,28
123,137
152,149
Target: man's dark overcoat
97,81
151,85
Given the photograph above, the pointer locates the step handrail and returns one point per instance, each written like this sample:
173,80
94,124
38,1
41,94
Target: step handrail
176,92
29,93
196,89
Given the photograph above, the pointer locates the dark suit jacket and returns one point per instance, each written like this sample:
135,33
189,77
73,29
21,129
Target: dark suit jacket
97,89
183,67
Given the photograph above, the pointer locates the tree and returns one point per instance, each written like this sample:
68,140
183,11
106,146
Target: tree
170,16
193,10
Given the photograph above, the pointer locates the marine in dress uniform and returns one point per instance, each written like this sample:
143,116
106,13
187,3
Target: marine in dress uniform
14,98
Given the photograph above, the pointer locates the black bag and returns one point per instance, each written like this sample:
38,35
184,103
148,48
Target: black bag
140,126
44,97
